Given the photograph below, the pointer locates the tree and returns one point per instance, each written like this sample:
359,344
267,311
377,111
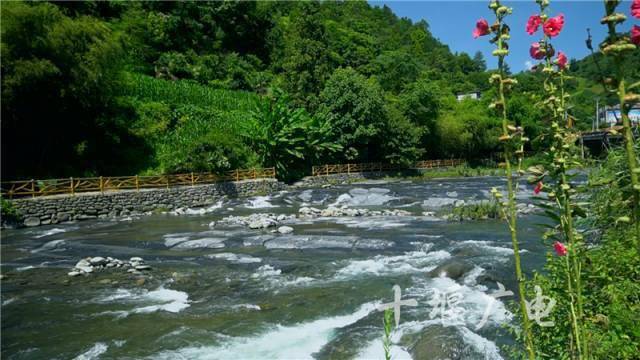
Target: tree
402,139
479,62
59,79
286,137
355,109
305,64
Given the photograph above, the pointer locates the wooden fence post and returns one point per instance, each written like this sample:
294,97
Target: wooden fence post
349,169
237,175
71,185
167,181
137,184
33,188
192,180
326,169
254,173
101,185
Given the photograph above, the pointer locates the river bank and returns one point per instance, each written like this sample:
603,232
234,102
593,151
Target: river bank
56,209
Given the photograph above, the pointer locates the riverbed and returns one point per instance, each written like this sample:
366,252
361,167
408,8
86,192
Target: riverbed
224,291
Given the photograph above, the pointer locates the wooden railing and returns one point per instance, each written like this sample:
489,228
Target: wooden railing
72,186
372,167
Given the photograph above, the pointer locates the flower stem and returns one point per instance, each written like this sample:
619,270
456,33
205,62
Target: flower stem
512,211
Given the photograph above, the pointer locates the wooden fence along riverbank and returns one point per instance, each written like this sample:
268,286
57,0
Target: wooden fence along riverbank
35,188
370,167
72,186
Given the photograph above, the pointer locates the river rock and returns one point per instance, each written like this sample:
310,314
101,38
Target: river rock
452,269
209,243
285,229
136,259
32,221
98,260
437,342
62,217
74,273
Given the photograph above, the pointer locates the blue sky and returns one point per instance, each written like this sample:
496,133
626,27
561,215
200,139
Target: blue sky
453,21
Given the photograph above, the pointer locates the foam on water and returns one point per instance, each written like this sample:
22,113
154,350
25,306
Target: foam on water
198,211
364,197
291,342
50,232
266,271
94,352
371,222
273,278
260,202
438,202
484,346
410,262
487,247
247,307
235,258
160,299
474,301
325,241
374,350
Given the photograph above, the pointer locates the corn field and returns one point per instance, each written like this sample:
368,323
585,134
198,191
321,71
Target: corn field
185,92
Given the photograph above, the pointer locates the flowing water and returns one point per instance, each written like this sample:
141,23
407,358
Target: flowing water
229,292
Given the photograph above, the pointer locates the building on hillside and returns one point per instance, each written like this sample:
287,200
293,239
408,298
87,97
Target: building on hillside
472,95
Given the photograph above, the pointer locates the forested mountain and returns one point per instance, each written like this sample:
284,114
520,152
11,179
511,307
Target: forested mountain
113,88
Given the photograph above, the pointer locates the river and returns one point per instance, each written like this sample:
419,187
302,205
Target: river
312,293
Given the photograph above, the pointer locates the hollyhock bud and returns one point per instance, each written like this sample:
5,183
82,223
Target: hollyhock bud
635,9
561,250
553,26
561,60
534,23
538,188
482,28
635,34
536,52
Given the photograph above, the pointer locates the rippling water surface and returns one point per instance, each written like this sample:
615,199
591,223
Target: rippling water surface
229,292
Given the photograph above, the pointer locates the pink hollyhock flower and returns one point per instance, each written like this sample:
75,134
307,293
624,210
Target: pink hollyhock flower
635,34
538,188
553,26
536,52
534,23
482,28
561,250
561,60
635,9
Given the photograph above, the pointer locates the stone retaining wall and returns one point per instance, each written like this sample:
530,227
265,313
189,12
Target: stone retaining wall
84,206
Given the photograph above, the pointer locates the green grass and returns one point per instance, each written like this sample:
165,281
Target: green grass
479,211
458,171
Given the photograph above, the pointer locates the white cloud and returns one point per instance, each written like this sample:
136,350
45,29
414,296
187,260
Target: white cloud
528,64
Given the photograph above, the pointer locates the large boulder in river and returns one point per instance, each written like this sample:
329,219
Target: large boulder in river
285,229
437,343
452,269
32,221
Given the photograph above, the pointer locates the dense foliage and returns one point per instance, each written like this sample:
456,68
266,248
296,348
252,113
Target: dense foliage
118,87
115,88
